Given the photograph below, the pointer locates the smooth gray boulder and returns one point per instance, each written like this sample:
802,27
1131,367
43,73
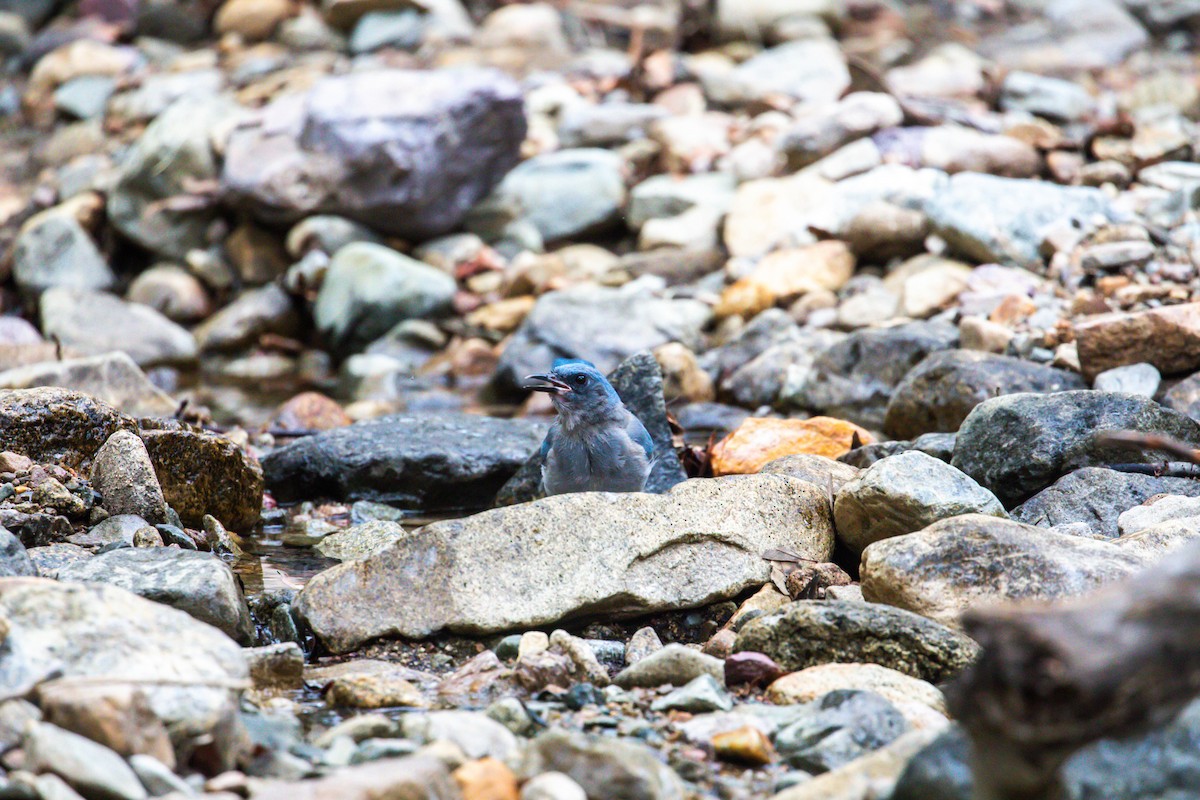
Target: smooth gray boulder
125,478
905,493
572,555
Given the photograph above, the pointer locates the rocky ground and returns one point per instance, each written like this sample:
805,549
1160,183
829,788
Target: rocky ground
875,274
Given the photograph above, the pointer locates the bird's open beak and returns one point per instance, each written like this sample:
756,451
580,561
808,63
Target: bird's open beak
546,383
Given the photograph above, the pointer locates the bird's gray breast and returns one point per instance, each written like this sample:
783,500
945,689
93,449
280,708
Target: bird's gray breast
609,461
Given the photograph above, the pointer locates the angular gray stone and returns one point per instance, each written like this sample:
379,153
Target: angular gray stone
606,769
199,583
564,194
638,381
578,323
125,478
95,323
839,727
429,461
810,632
407,152
957,563
939,393
48,559
857,377
1097,497
173,153
113,378
989,218
1019,444
360,541
53,249
572,555
14,560
672,665
96,631
904,493
370,288
90,768
700,695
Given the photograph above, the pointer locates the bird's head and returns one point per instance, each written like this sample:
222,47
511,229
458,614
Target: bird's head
578,390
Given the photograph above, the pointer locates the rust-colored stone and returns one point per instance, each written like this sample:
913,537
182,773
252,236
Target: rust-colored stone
1167,337
759,441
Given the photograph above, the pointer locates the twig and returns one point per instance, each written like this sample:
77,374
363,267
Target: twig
1149,441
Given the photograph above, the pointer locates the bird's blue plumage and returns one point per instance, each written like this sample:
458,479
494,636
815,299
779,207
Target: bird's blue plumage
595,444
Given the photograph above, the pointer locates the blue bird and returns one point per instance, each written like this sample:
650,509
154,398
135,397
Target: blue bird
596,444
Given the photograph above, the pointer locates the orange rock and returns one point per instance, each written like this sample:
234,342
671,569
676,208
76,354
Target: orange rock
310,411
746,745
786,274
486,779
758,441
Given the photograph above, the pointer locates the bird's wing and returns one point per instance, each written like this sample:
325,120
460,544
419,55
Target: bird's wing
548,442
637,431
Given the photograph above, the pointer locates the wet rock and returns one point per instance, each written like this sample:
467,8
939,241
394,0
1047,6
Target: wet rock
563,195
328,150
638,381
1167,338
276,666
360,541
605,769
422,777
91,768
809,632
961,562
856,378
112,378
840,727
810,70
616,557
53,249
370,288
254,313
904,493
198,583
56,426
577,323
1059,431
14,560
759,441
990,218
673,665
173,153
939,393
95,323
203,473
124,476
98,631
1097,497
422,461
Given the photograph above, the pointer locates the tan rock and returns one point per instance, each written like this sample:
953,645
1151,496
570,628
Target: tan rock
746,745
977,333
310,411
503,315
926,284
1167,337
765,212
872,776
373,691
252,19
809,684
821,470
683,377
786,274
759,441
115,715
419,776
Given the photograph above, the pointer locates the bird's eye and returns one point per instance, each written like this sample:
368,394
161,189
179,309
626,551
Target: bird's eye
581,379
